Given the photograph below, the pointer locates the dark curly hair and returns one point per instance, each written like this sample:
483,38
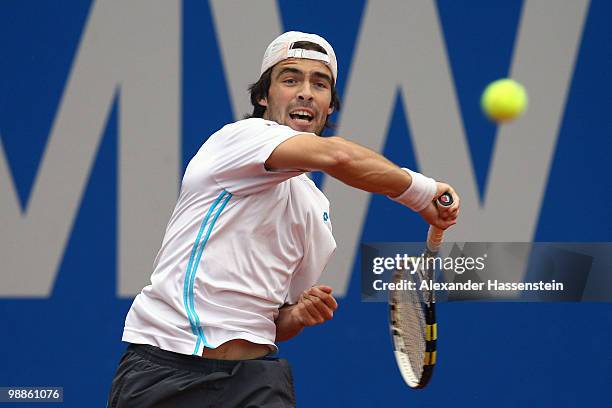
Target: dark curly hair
259,90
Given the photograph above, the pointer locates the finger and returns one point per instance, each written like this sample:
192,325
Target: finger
455,214
444,225
450,216
324,311
305,314
441,188
447,215
327,298
456,201
444,213
324,288
313,310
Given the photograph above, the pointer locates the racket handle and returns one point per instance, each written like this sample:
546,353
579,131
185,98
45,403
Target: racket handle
435,235
434,238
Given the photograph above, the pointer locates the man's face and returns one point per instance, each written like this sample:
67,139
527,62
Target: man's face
299,95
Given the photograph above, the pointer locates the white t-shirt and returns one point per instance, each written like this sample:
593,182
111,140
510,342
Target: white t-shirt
241,242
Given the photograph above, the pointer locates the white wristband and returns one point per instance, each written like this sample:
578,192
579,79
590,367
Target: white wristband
420,193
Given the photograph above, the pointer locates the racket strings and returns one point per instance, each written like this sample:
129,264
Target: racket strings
413,321
410,323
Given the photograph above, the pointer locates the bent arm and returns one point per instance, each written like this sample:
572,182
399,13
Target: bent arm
346,161
315,306
287,326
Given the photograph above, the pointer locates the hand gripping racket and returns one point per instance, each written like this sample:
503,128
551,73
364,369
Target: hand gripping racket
412,314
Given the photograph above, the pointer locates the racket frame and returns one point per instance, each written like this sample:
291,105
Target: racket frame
435,237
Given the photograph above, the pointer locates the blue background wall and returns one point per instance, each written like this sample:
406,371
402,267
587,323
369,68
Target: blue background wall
490,353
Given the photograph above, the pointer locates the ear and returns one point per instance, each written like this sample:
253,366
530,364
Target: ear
263,102
330,110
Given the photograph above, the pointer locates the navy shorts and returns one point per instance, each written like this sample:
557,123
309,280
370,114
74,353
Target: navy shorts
148,376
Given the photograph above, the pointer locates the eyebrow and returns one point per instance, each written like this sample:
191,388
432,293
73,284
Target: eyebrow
321,75
317,74
289,69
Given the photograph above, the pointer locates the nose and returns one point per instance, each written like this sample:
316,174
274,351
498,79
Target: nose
305,92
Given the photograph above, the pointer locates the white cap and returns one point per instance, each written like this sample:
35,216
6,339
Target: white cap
282,48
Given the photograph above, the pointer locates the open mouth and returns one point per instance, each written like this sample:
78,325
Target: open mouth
302,116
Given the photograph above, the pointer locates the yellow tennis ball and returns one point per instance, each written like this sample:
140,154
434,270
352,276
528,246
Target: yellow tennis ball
504,100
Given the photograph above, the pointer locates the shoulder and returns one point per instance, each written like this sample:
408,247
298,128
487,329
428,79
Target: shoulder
252,130
251,123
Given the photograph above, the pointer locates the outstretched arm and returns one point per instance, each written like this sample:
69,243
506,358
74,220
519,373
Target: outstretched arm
366,170
349,162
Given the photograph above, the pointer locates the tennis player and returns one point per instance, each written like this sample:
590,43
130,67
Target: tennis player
248,240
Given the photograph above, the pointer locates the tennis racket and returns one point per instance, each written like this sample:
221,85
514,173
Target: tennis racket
412,314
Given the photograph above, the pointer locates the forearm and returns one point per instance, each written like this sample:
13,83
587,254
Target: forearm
367,170
349,162
287,325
